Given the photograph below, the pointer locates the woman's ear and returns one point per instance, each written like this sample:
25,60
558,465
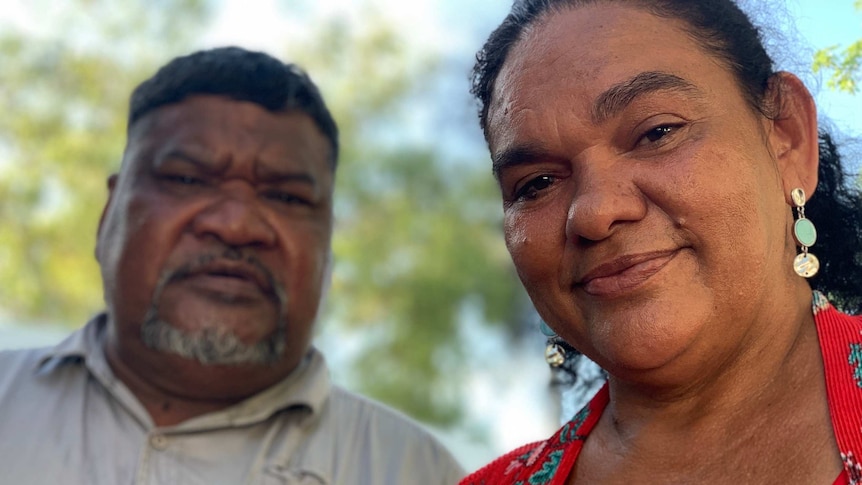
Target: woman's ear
794,137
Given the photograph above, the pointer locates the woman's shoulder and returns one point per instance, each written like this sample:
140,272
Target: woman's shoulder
840,337
547,462
506,468
831,321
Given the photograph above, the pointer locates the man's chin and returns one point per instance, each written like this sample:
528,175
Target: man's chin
212,345
192,308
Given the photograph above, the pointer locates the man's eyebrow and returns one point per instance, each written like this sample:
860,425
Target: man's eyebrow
266,175
517,155
183,156
618,97
272,175
283,178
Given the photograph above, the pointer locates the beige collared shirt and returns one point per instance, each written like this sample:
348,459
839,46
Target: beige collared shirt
65,418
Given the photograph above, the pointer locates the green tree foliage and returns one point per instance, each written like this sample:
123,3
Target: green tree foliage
418,242
845,64
64,87
417,245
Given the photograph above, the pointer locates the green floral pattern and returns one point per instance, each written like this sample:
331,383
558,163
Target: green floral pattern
539,463
855,359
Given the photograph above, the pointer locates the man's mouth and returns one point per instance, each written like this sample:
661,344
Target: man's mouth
228,280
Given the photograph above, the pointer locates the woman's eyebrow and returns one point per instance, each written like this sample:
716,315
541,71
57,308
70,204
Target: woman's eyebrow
619,96
607,104
517,155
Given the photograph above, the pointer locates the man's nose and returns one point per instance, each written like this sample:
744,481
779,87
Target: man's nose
235,218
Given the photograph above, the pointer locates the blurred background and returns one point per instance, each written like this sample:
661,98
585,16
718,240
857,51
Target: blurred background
425,312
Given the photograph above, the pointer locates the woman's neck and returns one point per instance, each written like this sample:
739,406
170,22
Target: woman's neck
768,400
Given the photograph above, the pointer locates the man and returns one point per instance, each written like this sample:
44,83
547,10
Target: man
214,247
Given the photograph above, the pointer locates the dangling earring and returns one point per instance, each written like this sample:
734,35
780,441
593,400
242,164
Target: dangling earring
805,264
555,354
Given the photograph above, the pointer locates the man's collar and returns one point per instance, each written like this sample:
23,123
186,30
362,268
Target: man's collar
76,348
306,388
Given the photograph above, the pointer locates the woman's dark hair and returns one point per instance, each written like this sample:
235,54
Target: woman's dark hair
725,31
836,209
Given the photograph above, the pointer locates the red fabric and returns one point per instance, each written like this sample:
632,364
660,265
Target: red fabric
550,462
841,346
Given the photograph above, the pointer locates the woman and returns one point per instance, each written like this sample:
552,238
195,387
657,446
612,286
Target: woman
656,175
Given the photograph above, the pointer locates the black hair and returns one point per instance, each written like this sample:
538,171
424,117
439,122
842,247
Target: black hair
720,27
726,32
241,75
836,209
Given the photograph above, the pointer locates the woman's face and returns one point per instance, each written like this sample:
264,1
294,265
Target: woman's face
643,209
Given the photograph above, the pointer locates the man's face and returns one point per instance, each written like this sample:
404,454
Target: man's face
215,241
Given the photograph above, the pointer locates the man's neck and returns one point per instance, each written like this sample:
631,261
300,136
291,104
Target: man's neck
174,390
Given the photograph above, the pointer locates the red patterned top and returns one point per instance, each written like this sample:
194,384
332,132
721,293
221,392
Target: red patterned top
551,462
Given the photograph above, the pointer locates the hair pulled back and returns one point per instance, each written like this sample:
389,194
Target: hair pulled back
723,30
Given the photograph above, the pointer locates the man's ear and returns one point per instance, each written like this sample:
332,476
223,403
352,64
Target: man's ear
793,138
112,184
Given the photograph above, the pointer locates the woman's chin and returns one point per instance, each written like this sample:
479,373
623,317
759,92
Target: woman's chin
648,345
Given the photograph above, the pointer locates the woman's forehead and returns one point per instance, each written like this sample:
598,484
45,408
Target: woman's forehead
581,52
583,65
589,32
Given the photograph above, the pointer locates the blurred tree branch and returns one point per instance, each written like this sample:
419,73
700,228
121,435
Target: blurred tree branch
845,65
64,87
418,241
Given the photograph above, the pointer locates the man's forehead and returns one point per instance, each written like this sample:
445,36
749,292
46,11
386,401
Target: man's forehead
204,107
217,119
213,131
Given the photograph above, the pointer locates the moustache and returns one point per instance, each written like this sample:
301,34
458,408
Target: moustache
232,262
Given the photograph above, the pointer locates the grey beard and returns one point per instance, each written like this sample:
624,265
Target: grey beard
213,346
210,346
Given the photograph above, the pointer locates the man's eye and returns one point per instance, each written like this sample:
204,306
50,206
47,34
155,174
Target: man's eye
286,197
182,179
531,189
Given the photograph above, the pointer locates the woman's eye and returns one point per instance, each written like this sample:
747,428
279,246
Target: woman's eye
656,134
531,189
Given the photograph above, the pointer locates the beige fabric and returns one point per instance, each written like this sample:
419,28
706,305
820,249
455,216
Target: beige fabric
64,418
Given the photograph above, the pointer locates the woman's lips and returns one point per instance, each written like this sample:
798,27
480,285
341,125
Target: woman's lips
624,274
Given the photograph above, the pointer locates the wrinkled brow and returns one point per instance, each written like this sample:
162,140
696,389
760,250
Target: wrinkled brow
517,155
611,102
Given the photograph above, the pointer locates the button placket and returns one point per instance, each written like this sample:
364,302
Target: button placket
159,442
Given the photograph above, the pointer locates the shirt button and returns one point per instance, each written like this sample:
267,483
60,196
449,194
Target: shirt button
159,442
